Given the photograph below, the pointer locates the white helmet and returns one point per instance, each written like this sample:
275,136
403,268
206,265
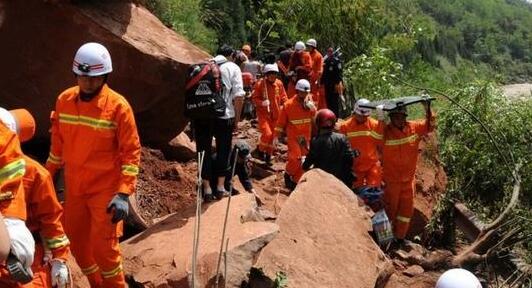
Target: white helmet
92,59
299,46
312,43
458,278
20,121
270,68
303,85
361,110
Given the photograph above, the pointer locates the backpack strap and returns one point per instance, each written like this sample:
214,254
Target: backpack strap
198,77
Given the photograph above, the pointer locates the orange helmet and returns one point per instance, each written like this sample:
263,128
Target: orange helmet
325,118
246,49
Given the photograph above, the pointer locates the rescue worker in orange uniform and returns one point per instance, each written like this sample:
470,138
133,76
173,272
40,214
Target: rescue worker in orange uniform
95,139
268,96
296,120
365,135
399,160
44,214
317,71
12,198
300,67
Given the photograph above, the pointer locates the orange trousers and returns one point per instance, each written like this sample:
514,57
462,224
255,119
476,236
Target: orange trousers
94,239
293,165
266,128
370,177
399,201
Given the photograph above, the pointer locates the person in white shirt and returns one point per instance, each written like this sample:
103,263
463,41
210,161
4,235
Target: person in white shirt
221,128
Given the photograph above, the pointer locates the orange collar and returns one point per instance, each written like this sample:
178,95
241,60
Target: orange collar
99,100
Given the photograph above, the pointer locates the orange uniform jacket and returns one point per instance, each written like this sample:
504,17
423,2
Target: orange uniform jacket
44,211
317,66
401,150
365,138
301,63
84,139
12,169
274,92
295,120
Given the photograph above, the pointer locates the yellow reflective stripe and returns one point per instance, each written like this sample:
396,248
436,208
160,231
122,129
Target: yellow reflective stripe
86,121
300,121
54,159
13,170
403,219
401,141
364,133
130,170
112,273
376,135
279,129
90,270
57,242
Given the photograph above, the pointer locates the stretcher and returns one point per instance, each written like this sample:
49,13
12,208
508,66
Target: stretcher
391,104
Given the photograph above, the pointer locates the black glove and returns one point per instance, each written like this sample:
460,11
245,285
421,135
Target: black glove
120,205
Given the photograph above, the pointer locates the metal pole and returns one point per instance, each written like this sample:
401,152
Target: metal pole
197,221
225,220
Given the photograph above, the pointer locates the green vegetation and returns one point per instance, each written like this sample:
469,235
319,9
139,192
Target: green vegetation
187,18
464,48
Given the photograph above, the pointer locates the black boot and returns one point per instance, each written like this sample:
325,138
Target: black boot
268,159
288,182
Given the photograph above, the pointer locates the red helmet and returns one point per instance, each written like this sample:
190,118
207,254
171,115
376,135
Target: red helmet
325,119
247,79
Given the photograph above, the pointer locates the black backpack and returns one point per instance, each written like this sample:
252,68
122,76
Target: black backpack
203,97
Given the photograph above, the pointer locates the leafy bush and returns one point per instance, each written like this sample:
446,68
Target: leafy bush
372,76
474,164
185,17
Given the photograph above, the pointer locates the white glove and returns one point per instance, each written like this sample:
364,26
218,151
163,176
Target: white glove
266,103
22,242
310,105
380,112
60,274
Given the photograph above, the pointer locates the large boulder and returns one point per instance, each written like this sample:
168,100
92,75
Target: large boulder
162,255
181,148
324,239
39,40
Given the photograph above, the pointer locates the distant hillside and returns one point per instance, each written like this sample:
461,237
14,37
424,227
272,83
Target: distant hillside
494,34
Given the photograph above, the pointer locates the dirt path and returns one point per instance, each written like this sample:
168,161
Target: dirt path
517,91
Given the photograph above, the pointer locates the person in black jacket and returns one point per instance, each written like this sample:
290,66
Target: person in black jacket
330,151
332,81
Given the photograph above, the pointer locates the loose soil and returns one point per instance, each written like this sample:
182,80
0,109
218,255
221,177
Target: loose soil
164,187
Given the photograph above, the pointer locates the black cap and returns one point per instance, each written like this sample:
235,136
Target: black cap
225,50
